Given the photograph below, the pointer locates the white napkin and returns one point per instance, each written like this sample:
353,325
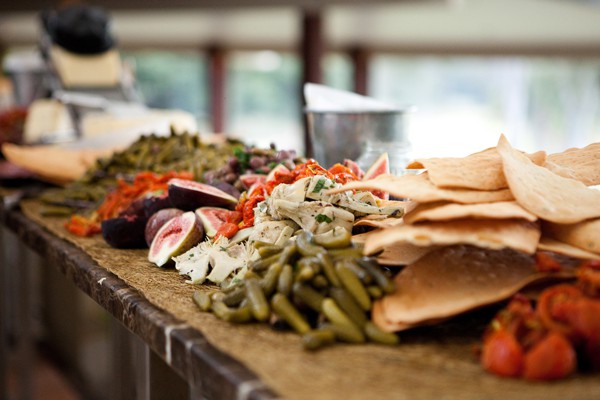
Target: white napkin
323,98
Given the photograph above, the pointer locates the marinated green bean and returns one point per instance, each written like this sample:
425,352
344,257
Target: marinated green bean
386,284
309,296
354,286
259,306
305,245
329,269
286,279
269,281
347,303
317,338
237,315
269,250
202,300
377,335
345,333
235,297
286,310
375,291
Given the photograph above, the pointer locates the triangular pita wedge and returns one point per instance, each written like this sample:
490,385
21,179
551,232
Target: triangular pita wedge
580,164
549,244
449,211
55,164
545,194
481,171
378,221
491,234
403,254
397,254
457,279
584,235
420,189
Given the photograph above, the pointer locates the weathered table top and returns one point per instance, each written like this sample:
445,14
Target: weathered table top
253,361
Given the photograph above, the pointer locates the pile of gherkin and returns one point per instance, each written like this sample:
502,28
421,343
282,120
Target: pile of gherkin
323,290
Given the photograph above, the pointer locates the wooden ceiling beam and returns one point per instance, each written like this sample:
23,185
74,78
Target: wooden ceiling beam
37,5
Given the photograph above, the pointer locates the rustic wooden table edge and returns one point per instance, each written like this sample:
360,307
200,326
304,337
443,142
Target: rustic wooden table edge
213,373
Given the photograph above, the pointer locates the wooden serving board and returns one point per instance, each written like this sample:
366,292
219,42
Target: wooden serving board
430,363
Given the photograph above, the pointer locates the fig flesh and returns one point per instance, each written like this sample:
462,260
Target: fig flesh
175,237
212,218
125,232
381,166
189,195
250,179
157,220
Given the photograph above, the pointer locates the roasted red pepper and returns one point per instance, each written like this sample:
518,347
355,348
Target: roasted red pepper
118,200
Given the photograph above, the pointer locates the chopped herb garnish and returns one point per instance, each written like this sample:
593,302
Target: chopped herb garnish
320,184
323,218
243,158
223,248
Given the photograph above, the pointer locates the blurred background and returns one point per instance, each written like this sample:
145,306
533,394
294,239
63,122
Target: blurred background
472,69
468,70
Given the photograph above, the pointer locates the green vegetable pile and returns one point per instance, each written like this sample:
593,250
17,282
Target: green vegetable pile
159,154
319,285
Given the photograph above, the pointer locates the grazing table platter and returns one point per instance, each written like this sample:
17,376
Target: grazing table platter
475,277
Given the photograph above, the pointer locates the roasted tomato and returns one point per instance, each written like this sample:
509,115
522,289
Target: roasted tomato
551,358
554,299
502,354
589,278
545,262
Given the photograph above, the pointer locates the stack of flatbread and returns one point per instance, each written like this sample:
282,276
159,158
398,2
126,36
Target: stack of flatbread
469,236
53,163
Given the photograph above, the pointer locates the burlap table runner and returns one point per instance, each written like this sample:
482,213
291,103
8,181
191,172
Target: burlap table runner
430,363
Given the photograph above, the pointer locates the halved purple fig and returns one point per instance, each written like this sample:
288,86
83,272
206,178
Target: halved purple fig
155,202
157,220
136,207
227,188
175,237
250,179
212,218
189,195
125,232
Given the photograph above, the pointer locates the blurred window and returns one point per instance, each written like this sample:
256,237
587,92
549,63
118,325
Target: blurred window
262,102
463,104
337,71
173,80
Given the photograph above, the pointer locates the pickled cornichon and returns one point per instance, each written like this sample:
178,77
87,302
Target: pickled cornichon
320,286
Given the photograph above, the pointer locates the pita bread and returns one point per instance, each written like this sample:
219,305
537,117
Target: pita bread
398,254
545,194
449,211
420,189
480,171
579,164
584,235
549,244
52,163
403,254
456,279
377,221
485,233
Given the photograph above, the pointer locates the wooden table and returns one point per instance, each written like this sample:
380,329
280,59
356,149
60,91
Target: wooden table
222,361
